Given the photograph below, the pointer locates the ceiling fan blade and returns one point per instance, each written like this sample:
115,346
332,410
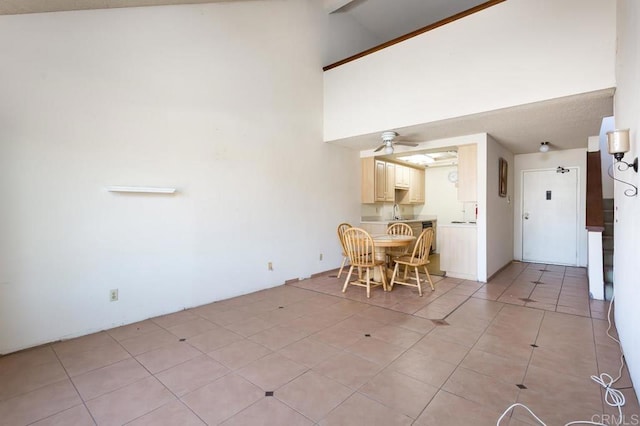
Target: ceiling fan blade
379,148
406,143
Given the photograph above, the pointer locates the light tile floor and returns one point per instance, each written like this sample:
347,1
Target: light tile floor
452,357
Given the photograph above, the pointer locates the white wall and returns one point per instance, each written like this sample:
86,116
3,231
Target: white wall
212,99
514,53
627,223
441,196
551,160
483,208
499,209
608,124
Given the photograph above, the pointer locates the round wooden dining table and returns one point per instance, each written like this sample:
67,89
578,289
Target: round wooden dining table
383,241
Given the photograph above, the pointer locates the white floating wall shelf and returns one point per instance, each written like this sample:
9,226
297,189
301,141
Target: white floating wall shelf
141,189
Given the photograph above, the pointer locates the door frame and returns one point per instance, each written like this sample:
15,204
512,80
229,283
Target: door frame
574,169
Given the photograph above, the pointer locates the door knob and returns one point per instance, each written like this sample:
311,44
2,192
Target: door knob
526,216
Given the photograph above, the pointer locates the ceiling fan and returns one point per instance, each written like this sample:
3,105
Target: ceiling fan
387,139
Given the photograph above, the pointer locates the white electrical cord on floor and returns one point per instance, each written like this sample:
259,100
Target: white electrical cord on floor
612,396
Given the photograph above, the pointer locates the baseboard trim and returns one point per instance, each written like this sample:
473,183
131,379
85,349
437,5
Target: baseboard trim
502,269
318,274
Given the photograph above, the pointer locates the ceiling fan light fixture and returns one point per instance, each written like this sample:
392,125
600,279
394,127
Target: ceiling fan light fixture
544,146
388,136
388,149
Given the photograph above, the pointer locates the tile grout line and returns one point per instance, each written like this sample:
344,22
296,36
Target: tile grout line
504,304
84,403
133,357
343,350
595,349
357,390
560,294
459,365
526,370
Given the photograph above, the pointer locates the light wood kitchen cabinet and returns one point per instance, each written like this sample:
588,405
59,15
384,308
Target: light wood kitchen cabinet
378,181
467,173
416,189
403,176
458,251
381,180
390,183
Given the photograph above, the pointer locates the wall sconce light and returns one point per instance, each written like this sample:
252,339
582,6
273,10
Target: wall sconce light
544,147
618,145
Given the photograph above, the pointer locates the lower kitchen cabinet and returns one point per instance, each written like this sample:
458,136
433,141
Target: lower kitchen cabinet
459,251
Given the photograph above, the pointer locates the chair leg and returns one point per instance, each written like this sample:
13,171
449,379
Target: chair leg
429,277
393,276
346,282
368,284
344,261
383,277
418,281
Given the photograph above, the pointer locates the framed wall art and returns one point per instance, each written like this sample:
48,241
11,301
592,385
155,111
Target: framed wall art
502,177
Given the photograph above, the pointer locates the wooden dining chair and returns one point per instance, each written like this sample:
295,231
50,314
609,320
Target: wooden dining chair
359,246
398,229
341,228
419,257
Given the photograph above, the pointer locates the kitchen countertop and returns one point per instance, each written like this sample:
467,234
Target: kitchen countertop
408,219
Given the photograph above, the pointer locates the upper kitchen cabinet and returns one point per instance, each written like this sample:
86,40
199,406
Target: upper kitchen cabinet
467,173
416,189
386,182
378,181
390,182
403,177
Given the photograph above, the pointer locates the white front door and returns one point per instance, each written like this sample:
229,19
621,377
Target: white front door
550,216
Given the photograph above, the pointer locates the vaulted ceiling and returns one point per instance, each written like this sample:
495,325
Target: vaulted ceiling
351,25
15,7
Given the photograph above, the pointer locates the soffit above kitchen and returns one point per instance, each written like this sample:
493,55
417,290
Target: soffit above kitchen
565,122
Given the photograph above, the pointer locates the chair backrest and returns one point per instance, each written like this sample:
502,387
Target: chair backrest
358,246
400,229
341,228
423,246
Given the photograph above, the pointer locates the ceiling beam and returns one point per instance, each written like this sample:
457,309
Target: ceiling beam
332,6
415,33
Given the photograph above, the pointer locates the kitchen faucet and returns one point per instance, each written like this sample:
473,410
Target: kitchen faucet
395,212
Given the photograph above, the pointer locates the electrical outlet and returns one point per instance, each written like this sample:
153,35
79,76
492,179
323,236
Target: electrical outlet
113,295
320,256
270,266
